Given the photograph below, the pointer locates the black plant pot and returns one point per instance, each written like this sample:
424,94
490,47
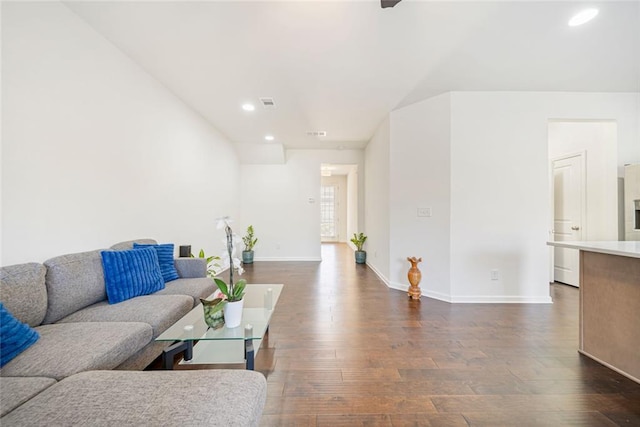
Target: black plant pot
361,257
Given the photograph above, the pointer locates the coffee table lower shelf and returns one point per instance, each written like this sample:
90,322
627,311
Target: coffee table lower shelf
223,352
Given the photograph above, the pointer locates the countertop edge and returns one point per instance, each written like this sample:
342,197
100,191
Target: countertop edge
621,248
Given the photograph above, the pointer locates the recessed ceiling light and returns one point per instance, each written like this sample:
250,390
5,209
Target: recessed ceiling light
248,107
269,137
583,17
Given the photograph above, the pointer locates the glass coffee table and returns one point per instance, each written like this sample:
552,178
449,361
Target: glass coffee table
203,345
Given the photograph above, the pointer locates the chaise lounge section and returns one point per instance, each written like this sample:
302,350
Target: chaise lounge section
132,398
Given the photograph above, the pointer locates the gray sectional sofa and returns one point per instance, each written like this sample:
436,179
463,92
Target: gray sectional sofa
79,371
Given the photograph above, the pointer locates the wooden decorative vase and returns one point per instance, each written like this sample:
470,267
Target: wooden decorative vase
414,276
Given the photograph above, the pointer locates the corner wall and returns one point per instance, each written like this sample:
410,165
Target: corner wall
420,178
486,178
376,201
96,151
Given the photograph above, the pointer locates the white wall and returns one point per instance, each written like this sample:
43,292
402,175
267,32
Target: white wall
353,210
95,151
376,207
480,161
420,178
340,182
499,185
275,200
598,140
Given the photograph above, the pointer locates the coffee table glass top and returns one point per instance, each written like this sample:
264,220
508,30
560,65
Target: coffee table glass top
192,326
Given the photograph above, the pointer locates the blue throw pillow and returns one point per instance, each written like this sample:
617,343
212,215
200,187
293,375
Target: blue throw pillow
165,258
15,336
131,273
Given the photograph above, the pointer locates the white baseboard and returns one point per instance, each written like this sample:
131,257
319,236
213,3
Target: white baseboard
465,299
500,299
287,259
425,293
399,286
380,275
475,299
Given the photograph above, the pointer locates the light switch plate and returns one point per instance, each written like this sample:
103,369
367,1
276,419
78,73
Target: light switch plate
424,212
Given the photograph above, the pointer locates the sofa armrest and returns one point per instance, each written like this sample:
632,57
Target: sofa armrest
189,268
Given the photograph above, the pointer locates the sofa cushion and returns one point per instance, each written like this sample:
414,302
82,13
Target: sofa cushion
66,349
181,398
131,273
189,268
159,311
74,281
15,336
129,244
23,292
165,259
142,359
14,391
195,288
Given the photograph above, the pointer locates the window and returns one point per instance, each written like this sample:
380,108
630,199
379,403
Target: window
328,197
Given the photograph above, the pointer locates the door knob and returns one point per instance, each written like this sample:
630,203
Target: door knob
575,228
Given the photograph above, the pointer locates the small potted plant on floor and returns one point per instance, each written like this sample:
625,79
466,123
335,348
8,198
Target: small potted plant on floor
358,240
249,241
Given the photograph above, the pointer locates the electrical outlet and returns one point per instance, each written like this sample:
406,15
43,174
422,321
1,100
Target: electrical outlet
277,245
424,212
495,275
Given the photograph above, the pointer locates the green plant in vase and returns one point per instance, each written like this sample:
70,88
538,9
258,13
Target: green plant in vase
249,241
232,294
358,240
212,263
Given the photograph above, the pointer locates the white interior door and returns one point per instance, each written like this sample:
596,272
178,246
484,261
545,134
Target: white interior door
568,214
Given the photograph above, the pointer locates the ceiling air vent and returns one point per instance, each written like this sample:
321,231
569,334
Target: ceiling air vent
316,133
268,103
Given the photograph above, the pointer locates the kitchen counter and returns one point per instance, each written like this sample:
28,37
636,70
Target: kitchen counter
628,248
610,303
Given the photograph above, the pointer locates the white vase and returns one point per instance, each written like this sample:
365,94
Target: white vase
233,313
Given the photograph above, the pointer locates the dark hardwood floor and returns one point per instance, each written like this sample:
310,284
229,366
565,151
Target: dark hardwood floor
344,350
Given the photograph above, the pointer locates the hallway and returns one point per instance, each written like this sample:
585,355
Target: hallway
345,350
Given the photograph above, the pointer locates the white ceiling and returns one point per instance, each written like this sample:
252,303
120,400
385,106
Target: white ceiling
342,66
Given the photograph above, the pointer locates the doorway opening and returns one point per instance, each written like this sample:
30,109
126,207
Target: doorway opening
568,214
338,201
583,187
